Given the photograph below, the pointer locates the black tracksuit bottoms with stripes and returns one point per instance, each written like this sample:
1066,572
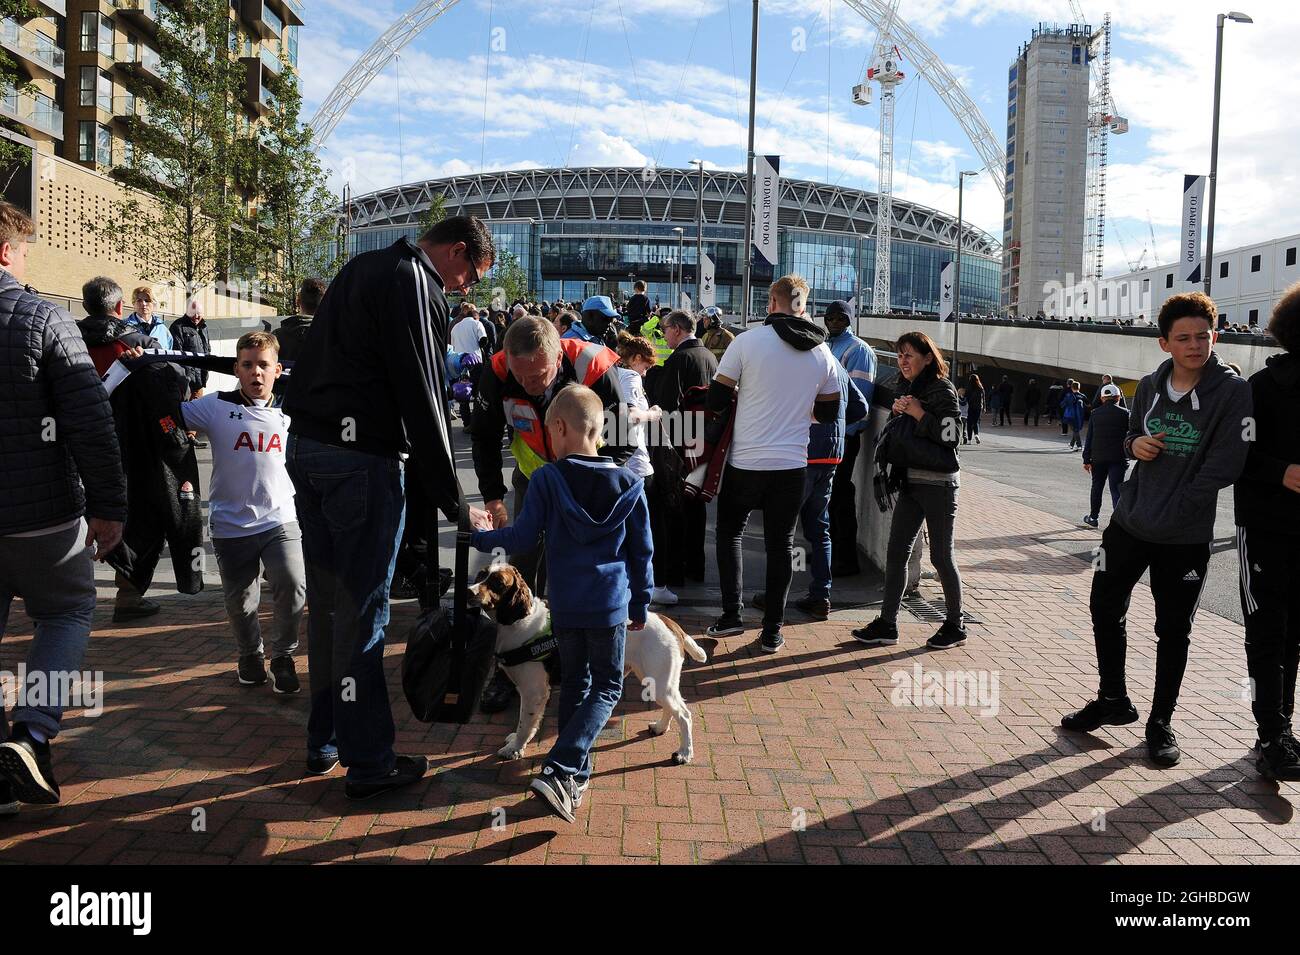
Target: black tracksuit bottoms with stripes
1177,578
1269,577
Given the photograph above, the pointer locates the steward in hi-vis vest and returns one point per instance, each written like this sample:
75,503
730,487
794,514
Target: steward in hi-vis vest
502,402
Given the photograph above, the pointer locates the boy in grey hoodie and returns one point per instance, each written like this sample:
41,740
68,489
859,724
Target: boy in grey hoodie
1189,432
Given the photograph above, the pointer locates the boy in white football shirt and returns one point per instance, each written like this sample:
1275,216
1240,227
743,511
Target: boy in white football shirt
251,510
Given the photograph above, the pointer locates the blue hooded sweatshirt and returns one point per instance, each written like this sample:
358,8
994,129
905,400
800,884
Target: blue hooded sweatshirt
598,546
859,360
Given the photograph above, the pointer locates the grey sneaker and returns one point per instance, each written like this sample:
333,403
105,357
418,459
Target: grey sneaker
556,791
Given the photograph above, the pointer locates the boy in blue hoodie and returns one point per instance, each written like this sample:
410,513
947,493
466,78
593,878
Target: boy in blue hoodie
599,552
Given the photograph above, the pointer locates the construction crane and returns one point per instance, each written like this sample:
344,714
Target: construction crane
884,70
1103,119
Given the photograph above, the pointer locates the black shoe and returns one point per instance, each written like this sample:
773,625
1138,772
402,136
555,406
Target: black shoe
878,633
252,669
284,678
403,588
409,769
322,765
819,608
1162,746
728,625
499,694
1279,758
1090,520
26,765
948,636
8,804
845,570
1100,713
771,641
145,608
558,792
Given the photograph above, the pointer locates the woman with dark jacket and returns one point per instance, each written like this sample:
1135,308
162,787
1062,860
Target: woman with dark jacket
975,398
925,429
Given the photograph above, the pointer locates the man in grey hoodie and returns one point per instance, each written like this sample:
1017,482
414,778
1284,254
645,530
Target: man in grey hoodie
1189,432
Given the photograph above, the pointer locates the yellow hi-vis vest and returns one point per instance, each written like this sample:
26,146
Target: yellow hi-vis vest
650,330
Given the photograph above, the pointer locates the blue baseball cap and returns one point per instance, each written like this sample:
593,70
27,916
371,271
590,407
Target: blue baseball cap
600,303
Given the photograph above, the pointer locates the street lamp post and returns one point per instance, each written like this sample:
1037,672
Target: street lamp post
677,286
1214,140
699,233
956,277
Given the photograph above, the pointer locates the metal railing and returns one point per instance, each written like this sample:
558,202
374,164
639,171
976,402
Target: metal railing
270,60
149,8
33,45
33,109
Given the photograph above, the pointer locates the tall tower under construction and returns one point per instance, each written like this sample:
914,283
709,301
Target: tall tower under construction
1047,159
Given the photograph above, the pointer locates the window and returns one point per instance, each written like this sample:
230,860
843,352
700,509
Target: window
1146,285
104,97
85,134
1254,316
106,36
1223,270
103,146
89,29
1104,293
1290,256
1254,263
1169,280
86,95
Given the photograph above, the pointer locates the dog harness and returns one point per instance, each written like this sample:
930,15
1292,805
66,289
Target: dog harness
534,651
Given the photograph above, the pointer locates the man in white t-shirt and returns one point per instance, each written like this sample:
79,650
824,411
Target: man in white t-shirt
784,378
251,510
467,333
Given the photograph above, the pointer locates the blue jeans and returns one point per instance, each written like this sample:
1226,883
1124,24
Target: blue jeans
591,667
815,518
1113,472
55,576
351,507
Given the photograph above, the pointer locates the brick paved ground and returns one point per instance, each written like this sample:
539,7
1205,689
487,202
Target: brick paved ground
799,757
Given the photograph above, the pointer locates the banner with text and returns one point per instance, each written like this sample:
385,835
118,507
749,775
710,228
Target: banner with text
1189,256
767,192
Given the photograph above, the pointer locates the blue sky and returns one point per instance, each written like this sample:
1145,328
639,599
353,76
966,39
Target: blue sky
497,84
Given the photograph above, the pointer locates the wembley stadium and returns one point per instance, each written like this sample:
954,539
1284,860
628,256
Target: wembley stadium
595,230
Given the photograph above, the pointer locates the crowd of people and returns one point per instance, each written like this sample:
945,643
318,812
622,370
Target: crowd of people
332,459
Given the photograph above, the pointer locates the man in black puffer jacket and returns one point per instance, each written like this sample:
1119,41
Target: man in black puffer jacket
61,490
190,333
1103,449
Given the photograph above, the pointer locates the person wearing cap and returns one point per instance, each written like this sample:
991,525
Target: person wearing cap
859,361
716,336
1103,449
600,319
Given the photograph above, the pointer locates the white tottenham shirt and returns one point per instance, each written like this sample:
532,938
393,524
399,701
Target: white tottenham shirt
251,491
465,335
776,387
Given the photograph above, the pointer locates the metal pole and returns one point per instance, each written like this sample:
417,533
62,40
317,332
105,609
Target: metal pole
1214,155
956,284
745,244
699,238
681,275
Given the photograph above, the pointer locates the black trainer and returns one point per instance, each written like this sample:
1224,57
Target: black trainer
1100,713
948,636
8,804
252,669
322,765
819,608
26,765
728,625
556,791
771,640
145,608
1090,520
878,633
1162,745
409,769
499,693
284,678
1279,758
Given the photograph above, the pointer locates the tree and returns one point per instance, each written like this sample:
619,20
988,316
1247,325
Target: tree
296,214
436,212
509,276
183,153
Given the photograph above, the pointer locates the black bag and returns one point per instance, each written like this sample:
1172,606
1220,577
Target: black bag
909,450
448,653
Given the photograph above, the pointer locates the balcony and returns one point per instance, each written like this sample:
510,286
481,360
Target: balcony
141,13
58,6
127,108
266,21
33,110
141,60
270,60
34,48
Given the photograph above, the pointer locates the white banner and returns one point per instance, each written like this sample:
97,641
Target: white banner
767,191
708,294
945,291
1189,255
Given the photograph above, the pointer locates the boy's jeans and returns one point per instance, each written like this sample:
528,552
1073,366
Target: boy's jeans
350,507
591,666
815,518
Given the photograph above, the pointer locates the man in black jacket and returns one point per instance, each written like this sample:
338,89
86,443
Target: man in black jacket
1266,502
190,333
106,334
368,387
1033,400
61,491
678,523
1103,450
293,330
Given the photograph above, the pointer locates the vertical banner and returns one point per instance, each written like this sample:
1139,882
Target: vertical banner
767,192
1189,255
945,292
708,295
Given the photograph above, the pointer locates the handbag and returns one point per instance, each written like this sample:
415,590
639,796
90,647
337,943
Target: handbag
449,650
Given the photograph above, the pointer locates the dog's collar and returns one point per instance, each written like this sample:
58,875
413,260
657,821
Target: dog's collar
534,651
